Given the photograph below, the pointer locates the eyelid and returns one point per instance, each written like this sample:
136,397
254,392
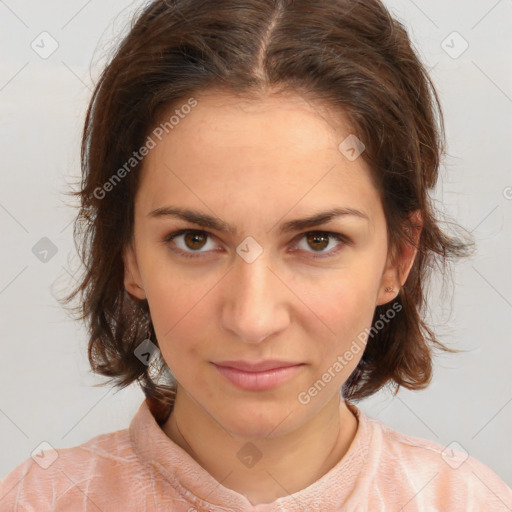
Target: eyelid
344,240
188,254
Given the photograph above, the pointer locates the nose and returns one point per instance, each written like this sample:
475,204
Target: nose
254,306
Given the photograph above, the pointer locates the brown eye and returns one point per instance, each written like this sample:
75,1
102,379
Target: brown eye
190,243
318,241
195,241
320,244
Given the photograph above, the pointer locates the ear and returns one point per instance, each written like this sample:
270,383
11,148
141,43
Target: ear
400,262
132,279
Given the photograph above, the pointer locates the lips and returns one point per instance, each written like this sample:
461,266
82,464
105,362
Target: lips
246,366
261,376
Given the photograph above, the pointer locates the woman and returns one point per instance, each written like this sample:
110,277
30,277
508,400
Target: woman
257,232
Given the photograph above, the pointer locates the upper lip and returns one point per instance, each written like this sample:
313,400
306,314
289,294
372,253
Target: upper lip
261,366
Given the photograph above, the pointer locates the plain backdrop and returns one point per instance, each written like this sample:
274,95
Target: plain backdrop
47,392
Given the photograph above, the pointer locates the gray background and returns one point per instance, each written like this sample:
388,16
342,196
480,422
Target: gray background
46,390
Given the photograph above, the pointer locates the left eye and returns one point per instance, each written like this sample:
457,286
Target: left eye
320,240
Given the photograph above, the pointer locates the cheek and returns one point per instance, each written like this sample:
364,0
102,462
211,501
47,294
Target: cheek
180,328
180,308
344,299
343,309
173,293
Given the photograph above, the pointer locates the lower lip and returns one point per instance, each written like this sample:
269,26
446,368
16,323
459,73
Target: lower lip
258,381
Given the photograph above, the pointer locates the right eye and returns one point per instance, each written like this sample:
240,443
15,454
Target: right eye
188,241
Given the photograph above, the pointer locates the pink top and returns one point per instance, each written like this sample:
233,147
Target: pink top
141,469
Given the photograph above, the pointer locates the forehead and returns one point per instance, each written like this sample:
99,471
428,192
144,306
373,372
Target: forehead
275,120
277,148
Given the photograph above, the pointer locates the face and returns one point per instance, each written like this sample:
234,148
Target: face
251,285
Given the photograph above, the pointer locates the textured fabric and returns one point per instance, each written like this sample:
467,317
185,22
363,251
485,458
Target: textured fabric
141,469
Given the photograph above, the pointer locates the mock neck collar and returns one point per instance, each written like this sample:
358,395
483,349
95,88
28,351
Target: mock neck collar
194,483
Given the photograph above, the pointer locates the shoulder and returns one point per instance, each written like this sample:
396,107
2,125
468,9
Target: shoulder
428,473
60,475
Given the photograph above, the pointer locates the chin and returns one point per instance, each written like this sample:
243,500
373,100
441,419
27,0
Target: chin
253,421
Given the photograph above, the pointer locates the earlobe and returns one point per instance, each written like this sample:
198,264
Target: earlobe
132,279
390,283
400,263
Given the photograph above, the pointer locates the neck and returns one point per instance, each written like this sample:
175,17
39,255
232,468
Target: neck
267,468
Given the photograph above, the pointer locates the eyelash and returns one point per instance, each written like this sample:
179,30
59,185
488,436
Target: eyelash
197,254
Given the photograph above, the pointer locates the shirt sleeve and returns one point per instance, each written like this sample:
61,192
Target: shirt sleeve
484,489
27,488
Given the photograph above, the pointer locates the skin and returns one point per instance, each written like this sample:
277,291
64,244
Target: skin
256,164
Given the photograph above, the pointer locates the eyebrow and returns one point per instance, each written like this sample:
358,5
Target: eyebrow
208,221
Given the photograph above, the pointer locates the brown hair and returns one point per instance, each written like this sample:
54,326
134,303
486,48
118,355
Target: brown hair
348,54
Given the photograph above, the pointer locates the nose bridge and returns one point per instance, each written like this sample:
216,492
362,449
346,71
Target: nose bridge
253,308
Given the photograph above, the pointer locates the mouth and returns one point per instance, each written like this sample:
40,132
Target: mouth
257,376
